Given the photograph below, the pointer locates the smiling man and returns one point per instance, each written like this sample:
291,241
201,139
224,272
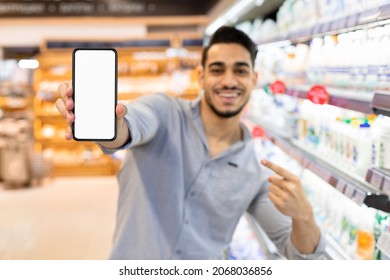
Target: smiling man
190,170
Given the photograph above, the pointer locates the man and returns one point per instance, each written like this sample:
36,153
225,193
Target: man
190,171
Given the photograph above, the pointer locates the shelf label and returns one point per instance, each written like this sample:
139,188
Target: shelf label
349,191
278,87
352,20
376,179
340,186
386,186
323,174
318,95
258,132
359,196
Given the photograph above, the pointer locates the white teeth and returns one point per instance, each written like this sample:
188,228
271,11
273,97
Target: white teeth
228,95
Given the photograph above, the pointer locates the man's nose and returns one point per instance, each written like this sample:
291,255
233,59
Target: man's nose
229,79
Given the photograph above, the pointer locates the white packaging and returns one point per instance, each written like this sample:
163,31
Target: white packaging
384,153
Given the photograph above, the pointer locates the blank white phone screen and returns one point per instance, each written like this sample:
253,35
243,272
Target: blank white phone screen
94,94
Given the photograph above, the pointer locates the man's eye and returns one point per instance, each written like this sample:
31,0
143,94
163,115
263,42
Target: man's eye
216,70
242,71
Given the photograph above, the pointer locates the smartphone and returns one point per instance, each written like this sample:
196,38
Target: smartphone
95,82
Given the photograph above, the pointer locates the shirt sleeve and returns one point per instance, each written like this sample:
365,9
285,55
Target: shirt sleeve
278,227
142,120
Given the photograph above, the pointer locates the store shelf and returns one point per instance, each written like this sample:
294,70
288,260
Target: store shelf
347,99
11,103
333,250
373,17
86,169
381,103
270,250
350,184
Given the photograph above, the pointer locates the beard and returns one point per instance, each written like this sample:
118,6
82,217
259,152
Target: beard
223,114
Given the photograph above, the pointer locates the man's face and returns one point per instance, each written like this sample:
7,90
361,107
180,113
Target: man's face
227,79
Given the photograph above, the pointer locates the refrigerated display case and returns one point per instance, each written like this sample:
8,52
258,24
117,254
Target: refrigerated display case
323,99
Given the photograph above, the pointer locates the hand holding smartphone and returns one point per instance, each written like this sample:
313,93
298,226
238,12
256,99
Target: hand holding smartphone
94,94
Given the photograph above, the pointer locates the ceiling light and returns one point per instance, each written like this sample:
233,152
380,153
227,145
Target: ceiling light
28,63
230,16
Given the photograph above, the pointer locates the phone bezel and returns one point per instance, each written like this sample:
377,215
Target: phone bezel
74,88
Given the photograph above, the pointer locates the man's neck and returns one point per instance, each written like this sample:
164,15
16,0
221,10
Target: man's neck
220,132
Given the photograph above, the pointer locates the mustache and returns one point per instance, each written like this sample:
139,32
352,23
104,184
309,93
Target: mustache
230,88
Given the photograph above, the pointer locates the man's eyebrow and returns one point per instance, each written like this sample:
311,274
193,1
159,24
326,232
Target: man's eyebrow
241,63
236,64
217,63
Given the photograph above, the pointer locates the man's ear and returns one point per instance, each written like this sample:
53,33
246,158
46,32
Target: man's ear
255,77
200,70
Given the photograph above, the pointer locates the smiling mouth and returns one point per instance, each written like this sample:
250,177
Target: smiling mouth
228,94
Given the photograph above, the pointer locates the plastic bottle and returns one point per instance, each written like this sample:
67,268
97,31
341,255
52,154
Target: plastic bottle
384,152
365,234
381,222
362,151
375,146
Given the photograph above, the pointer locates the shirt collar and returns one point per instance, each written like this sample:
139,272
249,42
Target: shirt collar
195,113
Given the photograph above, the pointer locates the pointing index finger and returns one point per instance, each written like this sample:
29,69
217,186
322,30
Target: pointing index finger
287,175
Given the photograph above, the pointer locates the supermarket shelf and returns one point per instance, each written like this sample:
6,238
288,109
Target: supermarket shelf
58,141
343,98
271,253
351,185
381,103
373,17
100,168
13,103
379,178
333,250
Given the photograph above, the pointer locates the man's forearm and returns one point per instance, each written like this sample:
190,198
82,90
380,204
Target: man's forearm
305,234
123,136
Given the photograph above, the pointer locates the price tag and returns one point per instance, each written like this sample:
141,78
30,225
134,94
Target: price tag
359,197
386,186
376,179
258,132
326,176
349,191
318,95
352,20
340,186
278,87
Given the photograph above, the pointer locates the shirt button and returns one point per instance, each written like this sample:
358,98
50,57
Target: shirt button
178,252
186,221
192,193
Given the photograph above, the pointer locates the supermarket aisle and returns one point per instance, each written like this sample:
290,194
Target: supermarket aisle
67,218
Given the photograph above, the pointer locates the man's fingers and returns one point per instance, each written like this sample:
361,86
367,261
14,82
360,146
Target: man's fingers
65,90
61,107
68,133
287,175
276,190
69,116
282,183
120,110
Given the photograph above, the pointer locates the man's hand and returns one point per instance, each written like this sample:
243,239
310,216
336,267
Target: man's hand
287,194
65,106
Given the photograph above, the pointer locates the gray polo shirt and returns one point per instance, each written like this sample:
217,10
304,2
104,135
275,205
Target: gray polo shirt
175,202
